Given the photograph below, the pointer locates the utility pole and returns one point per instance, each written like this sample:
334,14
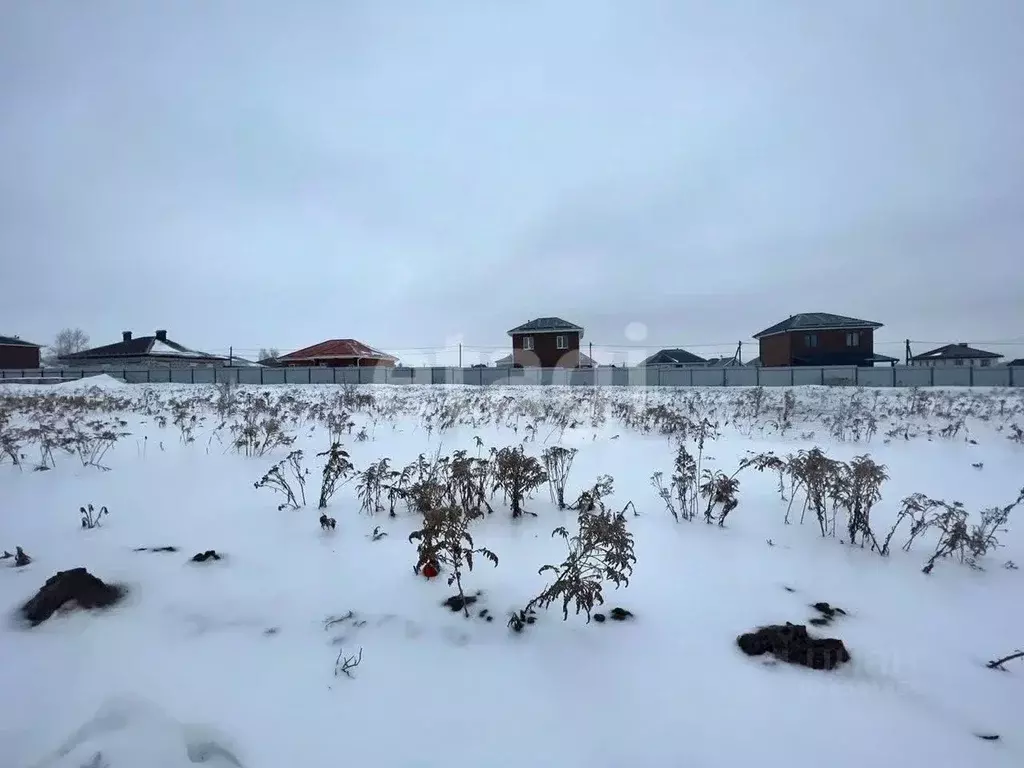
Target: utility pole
591,355
460,354
231,356
907,360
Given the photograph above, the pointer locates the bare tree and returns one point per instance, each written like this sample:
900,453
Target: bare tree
69,341
269,353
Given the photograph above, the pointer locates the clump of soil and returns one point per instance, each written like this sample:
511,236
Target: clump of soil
202,557
615,614
155,549
457,603
78,587
791,643
828,614
20,558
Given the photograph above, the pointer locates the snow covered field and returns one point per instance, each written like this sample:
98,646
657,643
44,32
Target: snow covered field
237,661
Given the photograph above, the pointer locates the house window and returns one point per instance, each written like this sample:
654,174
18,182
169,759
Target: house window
562,342
985,363
811,340
959,361
853,339
528,342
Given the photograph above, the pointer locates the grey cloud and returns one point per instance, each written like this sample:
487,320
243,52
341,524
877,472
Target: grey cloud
254,174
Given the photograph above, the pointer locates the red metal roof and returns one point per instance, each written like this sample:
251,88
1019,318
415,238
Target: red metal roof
337,348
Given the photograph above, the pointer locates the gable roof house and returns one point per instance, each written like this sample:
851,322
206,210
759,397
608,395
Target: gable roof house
337,353
955,354
156,351
547,342
18,353
820,339
674,358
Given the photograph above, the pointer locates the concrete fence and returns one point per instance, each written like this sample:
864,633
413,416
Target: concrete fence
899,376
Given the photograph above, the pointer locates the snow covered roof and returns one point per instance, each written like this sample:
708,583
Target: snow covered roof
157,346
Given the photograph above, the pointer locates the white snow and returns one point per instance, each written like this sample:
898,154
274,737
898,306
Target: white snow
103,382
160,348
239,647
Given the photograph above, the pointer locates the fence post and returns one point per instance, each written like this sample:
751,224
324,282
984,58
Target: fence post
856,376
821,374
261,374
932,376
970,377
792,377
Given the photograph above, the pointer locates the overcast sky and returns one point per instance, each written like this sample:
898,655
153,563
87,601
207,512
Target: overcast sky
415,174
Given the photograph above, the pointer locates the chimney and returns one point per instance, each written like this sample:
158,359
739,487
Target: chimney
126,335
161,335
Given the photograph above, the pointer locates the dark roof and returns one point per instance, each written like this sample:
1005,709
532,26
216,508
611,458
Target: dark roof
755,363
14,341
1018,361
141,346
956,352
337,348
816,321
546,325
673,357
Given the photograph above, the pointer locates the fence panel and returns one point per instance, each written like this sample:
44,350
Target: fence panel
137,376
675,377
992,377
805,376
876,377
913,377
951,377
845,376
740,377
775,377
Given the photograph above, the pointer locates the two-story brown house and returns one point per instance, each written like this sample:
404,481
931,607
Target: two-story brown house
820,338
546,342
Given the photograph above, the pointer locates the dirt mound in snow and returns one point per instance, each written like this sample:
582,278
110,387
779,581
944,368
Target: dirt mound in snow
791,643
102,381
74,587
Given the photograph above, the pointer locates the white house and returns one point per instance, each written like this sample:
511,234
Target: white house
955,354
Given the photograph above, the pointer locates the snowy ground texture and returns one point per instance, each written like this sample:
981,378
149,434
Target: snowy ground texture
233,662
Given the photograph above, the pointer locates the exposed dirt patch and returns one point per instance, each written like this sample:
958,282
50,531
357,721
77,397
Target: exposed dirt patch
791,643
828,614
74,588
19,556
202,557
457,603
155,549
